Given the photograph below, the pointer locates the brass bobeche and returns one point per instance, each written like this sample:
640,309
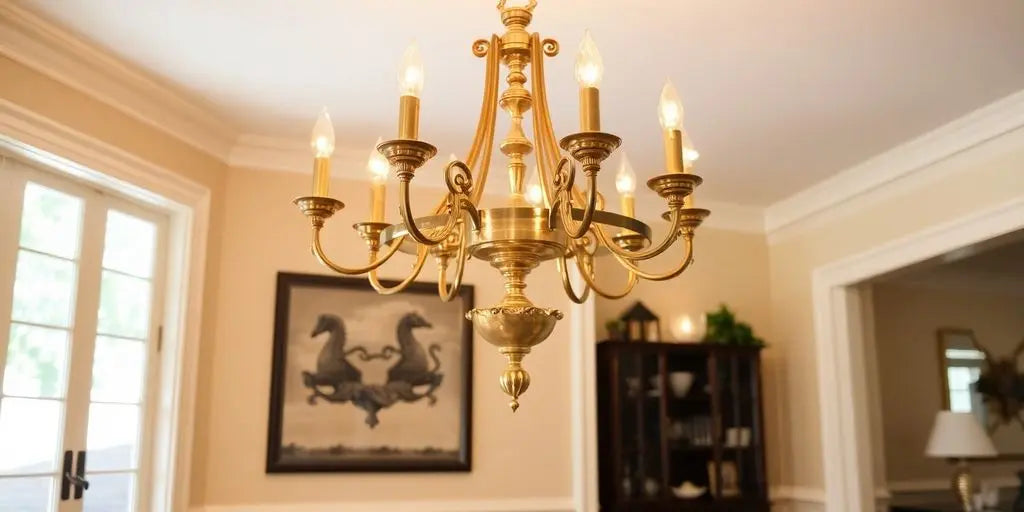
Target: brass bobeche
517,237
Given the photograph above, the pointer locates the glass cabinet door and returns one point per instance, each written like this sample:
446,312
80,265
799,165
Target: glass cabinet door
689,425
739,474
640,391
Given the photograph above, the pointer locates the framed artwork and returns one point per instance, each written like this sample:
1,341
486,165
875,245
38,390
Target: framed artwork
369,382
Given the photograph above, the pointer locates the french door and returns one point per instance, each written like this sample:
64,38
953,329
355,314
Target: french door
80,271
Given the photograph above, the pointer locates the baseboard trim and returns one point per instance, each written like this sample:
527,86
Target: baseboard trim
797,494
942,484
514,505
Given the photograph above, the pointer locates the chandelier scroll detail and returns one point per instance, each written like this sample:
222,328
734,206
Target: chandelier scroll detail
561,219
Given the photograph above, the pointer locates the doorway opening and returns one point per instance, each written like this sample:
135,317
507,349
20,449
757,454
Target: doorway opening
851,442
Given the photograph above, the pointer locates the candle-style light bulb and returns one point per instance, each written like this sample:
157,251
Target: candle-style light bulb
625,179
670,108
534,194
377,164
410,85
589,66
322,140
589,71
625,184
410,72
690,154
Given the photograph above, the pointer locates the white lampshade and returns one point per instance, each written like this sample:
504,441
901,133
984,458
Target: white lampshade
958,435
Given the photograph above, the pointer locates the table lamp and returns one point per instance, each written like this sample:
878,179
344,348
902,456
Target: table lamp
959,436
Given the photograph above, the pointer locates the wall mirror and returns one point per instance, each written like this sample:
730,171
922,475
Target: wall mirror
986,382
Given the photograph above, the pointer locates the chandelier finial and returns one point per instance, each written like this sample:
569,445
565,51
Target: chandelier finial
530,5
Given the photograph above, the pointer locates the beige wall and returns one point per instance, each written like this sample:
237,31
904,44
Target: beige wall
36,92
981,177
522,455
906,321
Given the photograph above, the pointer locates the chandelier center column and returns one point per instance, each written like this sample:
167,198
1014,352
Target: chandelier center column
516,99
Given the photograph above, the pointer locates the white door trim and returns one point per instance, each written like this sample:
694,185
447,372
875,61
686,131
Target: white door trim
583,390
188,205
845,439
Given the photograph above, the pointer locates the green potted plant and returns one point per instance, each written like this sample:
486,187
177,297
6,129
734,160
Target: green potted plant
723,328
616,329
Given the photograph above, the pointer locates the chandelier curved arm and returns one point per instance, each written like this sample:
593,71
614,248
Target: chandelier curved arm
321,256
683,265
564,177
563,271
421,258
483,142
547,146
459,180
448,293
675,222
587,271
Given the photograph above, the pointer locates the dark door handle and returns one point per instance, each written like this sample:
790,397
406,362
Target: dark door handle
66,482
81,484
76,481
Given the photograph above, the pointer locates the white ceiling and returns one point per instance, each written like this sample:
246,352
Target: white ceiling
779,95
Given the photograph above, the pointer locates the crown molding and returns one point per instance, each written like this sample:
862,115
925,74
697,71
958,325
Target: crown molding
66,58
911,160
268,153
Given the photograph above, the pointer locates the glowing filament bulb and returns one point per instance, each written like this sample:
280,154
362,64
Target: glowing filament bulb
534,194
670,108
690,154
410,72
322,140
589,66
377,164
625,180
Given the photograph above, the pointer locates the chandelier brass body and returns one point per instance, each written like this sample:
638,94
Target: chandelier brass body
516,237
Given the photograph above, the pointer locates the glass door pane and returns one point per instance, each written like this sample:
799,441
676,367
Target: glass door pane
690,430
740,469
36,356
641,424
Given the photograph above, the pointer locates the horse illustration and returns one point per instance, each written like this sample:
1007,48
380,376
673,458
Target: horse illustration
332,366
412,368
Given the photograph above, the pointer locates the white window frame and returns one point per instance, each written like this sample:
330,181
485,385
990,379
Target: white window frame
187,205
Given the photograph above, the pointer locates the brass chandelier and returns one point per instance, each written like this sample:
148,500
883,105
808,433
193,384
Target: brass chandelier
554,220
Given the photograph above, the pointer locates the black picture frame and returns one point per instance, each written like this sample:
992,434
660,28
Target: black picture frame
278,459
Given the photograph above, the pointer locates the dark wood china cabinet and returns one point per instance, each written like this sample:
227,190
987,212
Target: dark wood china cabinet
680,427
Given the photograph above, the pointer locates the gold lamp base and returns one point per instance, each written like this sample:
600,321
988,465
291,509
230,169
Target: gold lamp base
963,486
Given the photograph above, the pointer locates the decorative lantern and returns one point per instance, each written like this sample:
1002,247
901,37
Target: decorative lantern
641,324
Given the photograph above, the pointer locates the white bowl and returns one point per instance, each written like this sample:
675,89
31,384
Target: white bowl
689,491
680,382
